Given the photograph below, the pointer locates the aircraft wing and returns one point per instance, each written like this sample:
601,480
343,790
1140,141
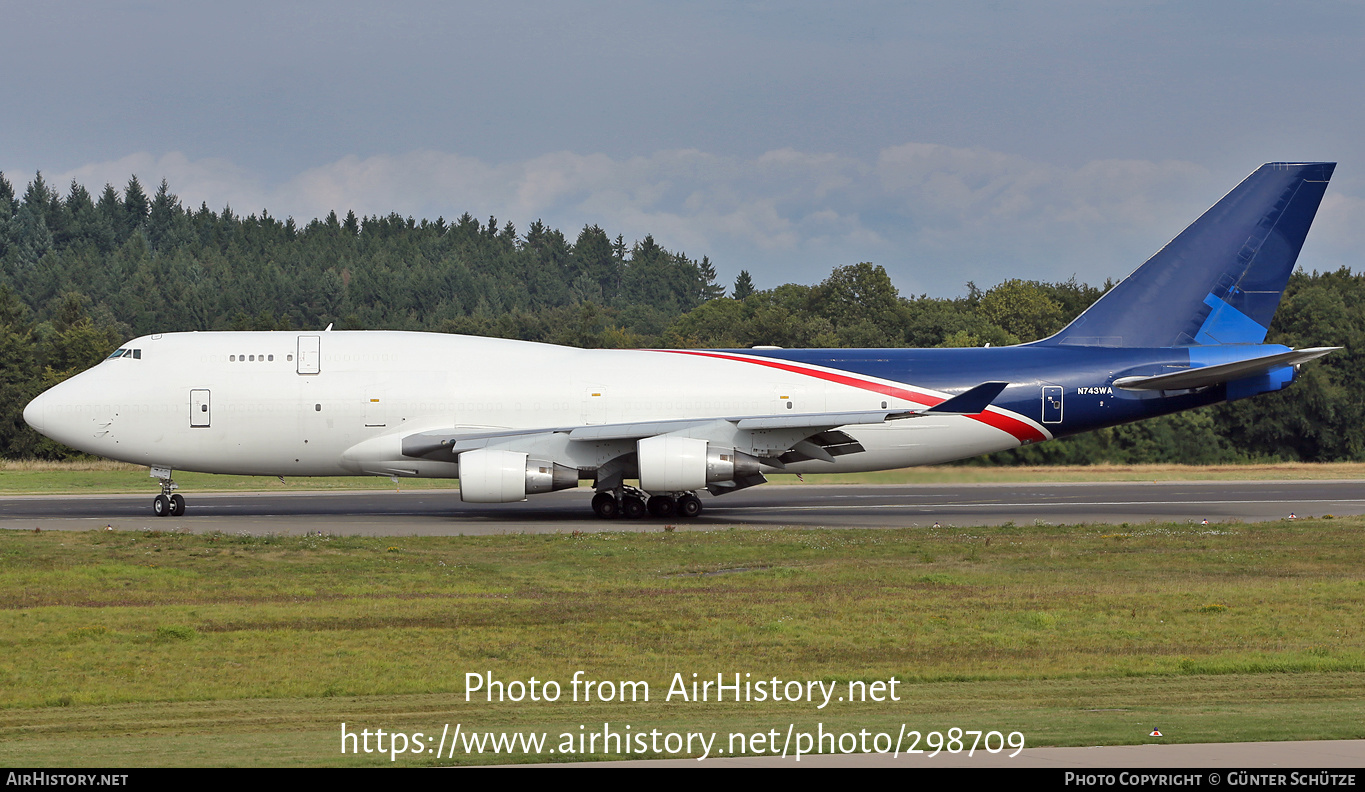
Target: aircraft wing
770,437
1205,376
444,444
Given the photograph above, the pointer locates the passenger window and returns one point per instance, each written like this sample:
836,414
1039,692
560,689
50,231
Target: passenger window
272,357
232,358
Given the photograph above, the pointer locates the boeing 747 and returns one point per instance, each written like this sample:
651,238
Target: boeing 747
511,419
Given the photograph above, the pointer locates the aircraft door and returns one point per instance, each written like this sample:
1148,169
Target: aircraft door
309,359
1052,404
595,405
376,407
199,408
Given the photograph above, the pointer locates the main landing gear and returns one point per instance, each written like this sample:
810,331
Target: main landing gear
633,503
167,504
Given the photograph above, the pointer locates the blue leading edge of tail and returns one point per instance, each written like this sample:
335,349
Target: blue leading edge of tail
1221,279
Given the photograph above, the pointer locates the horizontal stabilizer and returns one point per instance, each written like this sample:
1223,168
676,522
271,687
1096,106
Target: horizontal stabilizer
972,402
1205,376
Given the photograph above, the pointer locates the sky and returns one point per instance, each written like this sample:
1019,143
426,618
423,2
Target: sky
947,142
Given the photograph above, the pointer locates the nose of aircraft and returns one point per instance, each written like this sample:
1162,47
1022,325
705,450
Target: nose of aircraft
61,413
70,412
36,413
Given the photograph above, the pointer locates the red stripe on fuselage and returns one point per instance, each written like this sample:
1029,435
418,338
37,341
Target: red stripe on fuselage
1022,432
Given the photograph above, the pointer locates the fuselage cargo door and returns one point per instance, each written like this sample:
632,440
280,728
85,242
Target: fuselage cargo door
309,359
1052,404
200,413
595,405
375,407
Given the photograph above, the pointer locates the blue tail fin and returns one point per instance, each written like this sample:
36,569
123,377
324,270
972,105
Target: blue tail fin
1220,281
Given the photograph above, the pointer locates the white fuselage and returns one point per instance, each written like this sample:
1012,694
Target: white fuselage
266,403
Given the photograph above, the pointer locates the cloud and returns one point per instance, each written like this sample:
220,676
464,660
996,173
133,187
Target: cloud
936,216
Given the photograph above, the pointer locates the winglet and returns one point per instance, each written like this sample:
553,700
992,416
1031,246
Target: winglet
972,402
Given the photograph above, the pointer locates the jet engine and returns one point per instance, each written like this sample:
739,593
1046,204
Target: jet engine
680,464
490,475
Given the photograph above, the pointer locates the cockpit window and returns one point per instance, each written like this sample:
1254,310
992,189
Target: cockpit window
135,354
118,353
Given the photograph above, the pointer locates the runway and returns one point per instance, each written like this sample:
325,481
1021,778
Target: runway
437,512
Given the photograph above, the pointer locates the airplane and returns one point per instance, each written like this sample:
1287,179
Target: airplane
511,419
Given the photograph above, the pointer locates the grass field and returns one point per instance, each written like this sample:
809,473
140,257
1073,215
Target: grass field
149,648
101,476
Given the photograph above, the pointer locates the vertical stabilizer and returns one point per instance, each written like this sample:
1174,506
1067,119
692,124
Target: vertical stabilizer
1221,279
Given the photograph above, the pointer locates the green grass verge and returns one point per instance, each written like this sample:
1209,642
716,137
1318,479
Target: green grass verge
39,478
146,648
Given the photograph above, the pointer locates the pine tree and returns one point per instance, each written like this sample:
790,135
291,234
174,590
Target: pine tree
710,290
135,207
110,208
7,208
84,224
29,228
58,218
37,198
744,285
161,218
19,376
594,260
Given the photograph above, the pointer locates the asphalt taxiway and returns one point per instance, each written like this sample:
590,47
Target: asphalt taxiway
436,512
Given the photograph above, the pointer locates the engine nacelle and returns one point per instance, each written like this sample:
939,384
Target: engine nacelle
679,464
490,475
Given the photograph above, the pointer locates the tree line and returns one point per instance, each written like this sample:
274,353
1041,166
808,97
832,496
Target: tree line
79,274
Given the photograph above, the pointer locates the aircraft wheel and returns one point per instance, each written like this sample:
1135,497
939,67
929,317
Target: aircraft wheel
689,506
161,506
660,506
177,505
605,506
632,508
